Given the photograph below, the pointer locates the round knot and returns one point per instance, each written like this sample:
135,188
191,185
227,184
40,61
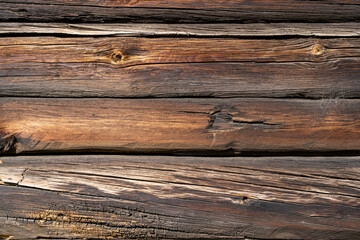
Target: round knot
116,57
317,49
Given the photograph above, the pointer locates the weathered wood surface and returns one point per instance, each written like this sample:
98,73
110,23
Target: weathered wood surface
181,11
180,197
351,29
179,125
176,77
172,67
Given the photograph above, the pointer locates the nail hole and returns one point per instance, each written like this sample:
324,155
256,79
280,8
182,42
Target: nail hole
317,49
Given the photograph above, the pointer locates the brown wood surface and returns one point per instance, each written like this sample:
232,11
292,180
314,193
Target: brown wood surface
173,67
179,125
348,29
213,80
180,197
181,10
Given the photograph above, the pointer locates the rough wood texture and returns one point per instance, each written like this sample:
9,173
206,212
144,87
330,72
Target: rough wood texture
180,197
181,10
179,125
218,78
172,67
186,30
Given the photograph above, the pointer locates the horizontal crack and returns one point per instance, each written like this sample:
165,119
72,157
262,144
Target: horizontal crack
221,119
255,122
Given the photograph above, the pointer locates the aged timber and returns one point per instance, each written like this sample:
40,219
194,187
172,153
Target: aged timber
179,125
180,197
190,11
350,29
185,67
213,80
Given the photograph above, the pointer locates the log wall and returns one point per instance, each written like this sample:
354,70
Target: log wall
179,119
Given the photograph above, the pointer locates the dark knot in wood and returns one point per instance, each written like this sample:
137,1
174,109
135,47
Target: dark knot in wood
116,57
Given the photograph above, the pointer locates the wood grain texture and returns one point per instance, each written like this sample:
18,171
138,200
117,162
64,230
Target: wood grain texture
351,29
180,10
179,125
180,197
179,77
185,67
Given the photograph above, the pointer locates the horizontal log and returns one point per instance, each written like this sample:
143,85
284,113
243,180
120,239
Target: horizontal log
173,67
179,125
181,10
180,197
351,29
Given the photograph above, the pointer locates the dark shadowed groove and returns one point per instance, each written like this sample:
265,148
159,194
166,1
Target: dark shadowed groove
183,36
196,152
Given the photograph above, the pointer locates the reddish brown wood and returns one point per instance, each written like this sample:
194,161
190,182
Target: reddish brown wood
179,125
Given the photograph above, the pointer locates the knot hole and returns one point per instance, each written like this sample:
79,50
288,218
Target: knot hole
116,57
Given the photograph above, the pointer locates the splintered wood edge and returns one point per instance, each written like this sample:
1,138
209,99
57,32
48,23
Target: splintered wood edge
351,29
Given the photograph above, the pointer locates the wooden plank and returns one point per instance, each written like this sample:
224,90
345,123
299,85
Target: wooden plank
180,197
179,125
173,67
181,10
351,29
